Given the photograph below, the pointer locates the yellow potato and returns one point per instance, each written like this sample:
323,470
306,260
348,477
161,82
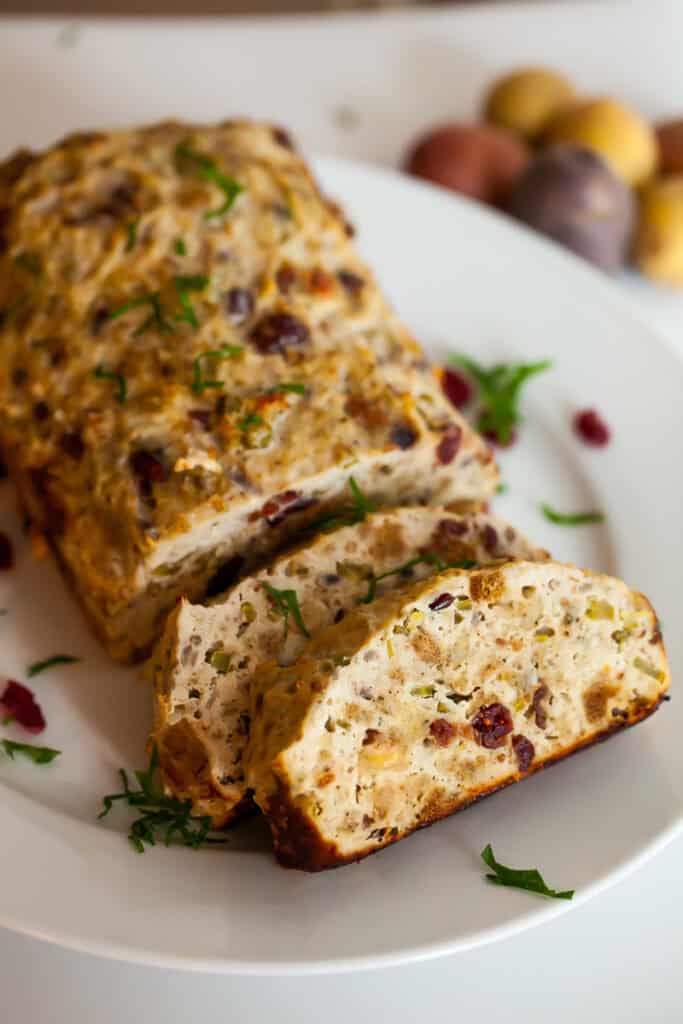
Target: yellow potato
659,240
619,134
525,100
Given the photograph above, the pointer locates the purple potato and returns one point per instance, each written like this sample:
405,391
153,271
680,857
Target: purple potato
570,194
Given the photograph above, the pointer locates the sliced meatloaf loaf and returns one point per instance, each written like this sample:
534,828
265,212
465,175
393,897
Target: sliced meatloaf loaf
207,655
439,693
194,360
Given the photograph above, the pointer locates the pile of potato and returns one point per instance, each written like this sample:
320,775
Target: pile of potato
592,174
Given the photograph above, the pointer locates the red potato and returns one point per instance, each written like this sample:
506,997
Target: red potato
479,161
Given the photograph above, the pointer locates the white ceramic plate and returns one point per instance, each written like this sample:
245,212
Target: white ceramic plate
466,280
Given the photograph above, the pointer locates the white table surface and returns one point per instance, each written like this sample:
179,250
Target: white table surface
361,86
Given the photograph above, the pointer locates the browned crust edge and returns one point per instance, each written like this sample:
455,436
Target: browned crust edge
299,844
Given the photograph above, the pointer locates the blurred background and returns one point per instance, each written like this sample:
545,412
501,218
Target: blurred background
186,7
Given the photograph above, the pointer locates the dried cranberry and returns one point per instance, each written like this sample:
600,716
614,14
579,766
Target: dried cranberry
456,388
443,731
285,277
239,303
6,552
99,319
441,602
403,435
591,428
282,505
524,751
492,723
278,331
539,712
320,281
149,469
72,444
20,705
201,416
489,537
353,283
449,444
339,615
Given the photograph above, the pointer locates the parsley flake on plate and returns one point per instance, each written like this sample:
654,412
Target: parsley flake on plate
499,394
515,878
571,519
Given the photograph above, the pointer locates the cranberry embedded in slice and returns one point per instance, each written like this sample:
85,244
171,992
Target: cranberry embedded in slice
441,602
449,445
456,387
278,331
491,724
524,751
591,428
443,731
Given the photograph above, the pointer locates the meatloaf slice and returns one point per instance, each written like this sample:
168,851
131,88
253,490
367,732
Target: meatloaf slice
440,693
194,357
207,655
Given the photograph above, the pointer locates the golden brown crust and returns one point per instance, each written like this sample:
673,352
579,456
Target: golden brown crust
298,844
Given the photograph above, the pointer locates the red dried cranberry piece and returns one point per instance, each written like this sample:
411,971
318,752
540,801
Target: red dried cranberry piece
489,537
524,752
71,444
20,705
443,731
370,736
456,387
149,469
492,723
353,283
278,331
403,435
6,552
278,511
441,602
449,444
591,428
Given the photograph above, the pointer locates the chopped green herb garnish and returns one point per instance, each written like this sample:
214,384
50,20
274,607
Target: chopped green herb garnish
27,261
501,488
530,880
155,318
161,816
122,391
297,389
208,171
575,519
499,393
179,247
252,420
347,516
184,285
287,603
224,352
132,234
427,559
39,755
57,659
257,433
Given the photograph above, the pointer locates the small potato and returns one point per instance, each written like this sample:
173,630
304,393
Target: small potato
571,195
670,139
524,101
620,135
477,160
659,239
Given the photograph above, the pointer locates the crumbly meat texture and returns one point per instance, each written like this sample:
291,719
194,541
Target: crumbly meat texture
204,661
436,695
194,360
